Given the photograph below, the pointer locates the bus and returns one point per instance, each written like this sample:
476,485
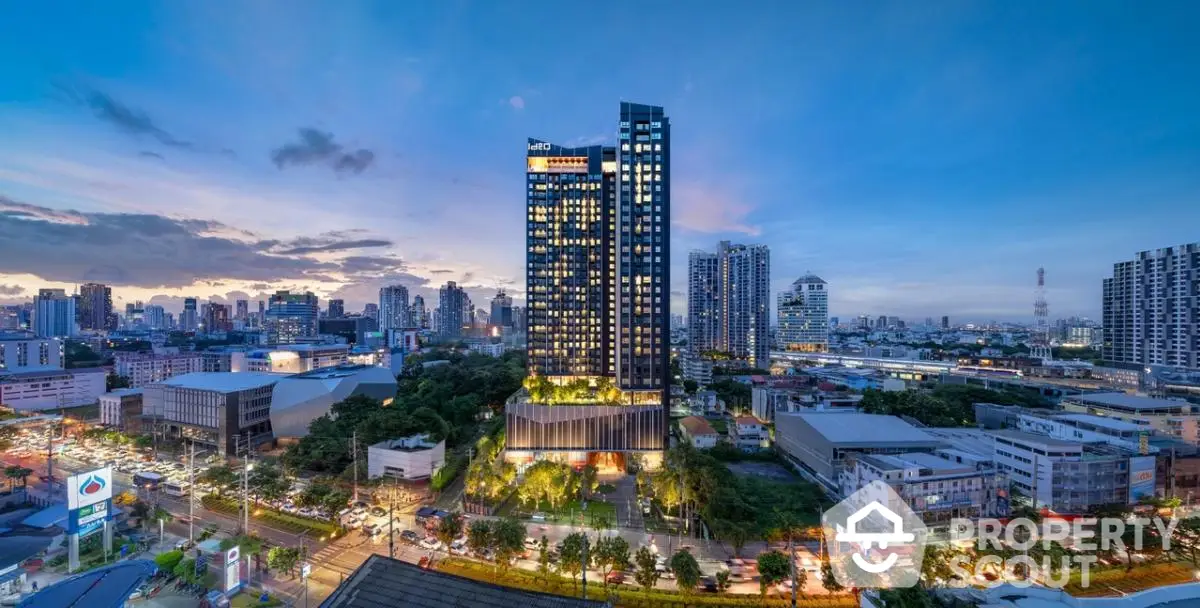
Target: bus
177,489
147,480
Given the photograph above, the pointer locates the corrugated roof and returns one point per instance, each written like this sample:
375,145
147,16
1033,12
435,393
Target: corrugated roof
223,382
859,428
382,582
1123,400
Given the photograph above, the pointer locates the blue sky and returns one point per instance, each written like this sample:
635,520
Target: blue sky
924,158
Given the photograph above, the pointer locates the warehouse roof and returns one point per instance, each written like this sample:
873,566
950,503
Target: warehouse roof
223,382
859,428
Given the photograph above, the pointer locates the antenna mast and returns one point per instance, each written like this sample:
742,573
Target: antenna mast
1041,314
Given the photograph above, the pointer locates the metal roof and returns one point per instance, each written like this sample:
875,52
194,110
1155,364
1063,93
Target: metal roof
858,428
1126,401
223,382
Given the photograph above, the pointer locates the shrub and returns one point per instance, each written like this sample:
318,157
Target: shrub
166,562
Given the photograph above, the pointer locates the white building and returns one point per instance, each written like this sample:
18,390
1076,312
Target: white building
54,314
1151,308
147,368
698,432
804,315
21,352
409,458
219,409
122,409
697,369
51,389
935,488
750,435
491,350
1178,419
394,311
291,358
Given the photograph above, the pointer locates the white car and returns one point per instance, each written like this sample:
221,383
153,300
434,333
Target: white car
431,543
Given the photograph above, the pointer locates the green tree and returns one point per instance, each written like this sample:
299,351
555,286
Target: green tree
221,477
686,570
247,544
722,580
589,480
1186,540
168,560
186,570
544,560
479,536
509,540
611,553
113,382
828,579
450,528
283,559
267,482
16,472
647,568
773,568
570,555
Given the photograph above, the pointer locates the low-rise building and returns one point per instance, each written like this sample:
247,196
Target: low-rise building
749,434
707,401
1174,418
818,442
487,348
122,409
218,409
299,399
697,369
406,459
936,488
698,432
51,389
23,352
147,368
290,358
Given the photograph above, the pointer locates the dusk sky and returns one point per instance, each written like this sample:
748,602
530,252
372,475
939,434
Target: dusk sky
924,158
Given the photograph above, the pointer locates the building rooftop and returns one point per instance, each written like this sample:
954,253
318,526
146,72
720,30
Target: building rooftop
223,382
746,420
47,373
123,392
1035,438
859,428
1101,421
105,587
1130,402
328,373
415,443
695,425
384,582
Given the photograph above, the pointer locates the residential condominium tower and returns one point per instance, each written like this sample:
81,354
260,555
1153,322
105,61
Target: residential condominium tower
804,315
291,317
598,297
452,305
1152,309
393,308
729,304
95,306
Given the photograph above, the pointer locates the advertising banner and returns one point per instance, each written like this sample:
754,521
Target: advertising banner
82,517
89,488
1141,477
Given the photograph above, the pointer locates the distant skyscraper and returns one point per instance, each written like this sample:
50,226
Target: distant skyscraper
262,310
882,323
337,309
189,319
804,315
95,306
1151,309
242,313
419,315
501,310
154,317
729,306
371,310
833,322
519,318
214,317
291,317
53,314
393,308
598,291
945,322
451,303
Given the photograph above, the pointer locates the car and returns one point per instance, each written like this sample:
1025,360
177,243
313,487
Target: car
615,577
378,511
409,536
532,543
431,543
538,517
458,548
370,529
708,584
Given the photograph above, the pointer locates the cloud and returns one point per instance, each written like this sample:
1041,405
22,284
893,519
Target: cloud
141,250
441,271
11,290
318,148
359,264
517,102
594,140
149,154
323,244
131,120
702,209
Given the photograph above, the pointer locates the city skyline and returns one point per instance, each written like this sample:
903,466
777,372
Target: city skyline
903,144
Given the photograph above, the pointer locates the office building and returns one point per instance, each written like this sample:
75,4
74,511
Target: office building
21,352
598,294
189,318
218,410
352,329
53,314
291,317
820,441
299,399
1152,310
804,316
502,310
452,302
154,317
371,310
936,487
393,308
419,314
122,410
241,311
95,307
945,322
729,302
214,318
406,459
141,369
290,358
1169,417
336,310
51,389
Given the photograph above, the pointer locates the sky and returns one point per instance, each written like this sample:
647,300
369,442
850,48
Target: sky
923,158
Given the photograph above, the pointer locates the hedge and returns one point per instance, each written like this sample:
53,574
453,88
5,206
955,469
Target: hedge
229,506
624,596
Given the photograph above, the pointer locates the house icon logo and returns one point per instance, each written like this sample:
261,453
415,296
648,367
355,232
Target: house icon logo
874,539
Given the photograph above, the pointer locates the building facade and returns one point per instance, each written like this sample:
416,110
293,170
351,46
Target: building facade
729,302
122,409
147,368
598,292
214,317
337,309
935,488
502,310
54,314
804,316
291,317
51,389
226,411
394,310
419,314
21,352
189,317
95,307
452,302
1152,309
406,459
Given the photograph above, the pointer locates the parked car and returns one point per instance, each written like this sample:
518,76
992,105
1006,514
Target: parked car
458,548
409,536
378,511
532,543
615,577
431,543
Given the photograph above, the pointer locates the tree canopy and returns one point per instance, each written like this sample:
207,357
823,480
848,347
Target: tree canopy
947,405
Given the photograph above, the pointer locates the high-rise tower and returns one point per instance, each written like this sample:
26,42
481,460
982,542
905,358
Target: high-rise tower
729,302
1040,348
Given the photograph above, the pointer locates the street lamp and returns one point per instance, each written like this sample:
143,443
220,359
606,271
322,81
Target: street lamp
246,495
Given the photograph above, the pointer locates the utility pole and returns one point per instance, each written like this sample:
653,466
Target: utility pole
246,493
792,566
354,455
191,492
392,520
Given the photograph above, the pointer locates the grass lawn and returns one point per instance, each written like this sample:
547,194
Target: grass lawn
1116,581
250,600
719,425
597,511
277,519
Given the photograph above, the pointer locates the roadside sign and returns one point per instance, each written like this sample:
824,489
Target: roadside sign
305,570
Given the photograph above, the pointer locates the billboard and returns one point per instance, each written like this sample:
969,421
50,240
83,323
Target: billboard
233,576
1141,477
89,488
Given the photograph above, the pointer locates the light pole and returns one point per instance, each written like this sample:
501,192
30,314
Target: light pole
246,495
